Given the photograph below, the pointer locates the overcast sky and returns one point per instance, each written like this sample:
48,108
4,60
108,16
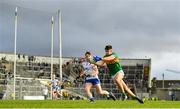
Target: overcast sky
135,28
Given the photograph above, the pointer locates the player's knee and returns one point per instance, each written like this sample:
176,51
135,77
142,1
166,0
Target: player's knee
118,80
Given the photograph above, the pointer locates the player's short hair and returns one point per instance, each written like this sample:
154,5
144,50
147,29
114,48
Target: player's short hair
108,47
88,52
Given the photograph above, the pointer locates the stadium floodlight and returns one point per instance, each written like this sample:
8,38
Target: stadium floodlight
15,38
60,45
52,49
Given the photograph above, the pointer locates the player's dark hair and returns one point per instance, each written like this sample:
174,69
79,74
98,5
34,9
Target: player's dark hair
108,47
87,52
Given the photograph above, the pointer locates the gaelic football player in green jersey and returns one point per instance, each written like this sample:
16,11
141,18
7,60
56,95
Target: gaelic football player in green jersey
115,71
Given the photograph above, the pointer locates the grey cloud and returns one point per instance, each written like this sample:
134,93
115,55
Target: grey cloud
127,25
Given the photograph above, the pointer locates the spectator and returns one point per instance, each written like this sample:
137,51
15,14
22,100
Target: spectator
45,92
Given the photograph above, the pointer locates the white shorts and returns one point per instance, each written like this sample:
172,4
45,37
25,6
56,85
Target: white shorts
120,71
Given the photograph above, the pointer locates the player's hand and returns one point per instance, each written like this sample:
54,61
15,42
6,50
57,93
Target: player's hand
97,58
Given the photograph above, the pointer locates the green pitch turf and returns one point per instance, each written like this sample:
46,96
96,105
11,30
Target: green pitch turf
86,104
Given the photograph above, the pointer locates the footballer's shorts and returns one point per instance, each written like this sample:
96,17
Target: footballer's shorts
120,71
55,88
93,81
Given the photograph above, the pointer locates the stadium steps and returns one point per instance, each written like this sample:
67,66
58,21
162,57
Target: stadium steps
72,92
79,91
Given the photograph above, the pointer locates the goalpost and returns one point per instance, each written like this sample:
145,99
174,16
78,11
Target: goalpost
15,38
52,49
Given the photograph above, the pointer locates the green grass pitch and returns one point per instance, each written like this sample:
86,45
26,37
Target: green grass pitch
86,104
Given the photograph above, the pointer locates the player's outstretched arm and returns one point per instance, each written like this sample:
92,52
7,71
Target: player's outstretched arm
108,59
100,63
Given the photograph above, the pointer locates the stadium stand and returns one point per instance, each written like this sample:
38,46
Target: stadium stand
33,70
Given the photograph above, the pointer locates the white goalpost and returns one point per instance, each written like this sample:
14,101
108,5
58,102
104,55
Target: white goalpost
15,38
15,69
52,50
60,44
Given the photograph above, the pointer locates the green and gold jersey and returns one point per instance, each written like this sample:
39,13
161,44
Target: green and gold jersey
113,66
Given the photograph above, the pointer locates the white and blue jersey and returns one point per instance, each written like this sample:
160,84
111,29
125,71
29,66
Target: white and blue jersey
88,70
54,83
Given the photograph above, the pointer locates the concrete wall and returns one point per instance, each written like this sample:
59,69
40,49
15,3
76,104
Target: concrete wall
39,59
163,94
